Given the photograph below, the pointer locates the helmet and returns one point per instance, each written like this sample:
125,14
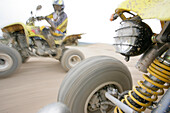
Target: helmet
59,3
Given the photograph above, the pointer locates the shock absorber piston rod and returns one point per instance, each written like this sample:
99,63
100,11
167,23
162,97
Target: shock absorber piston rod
120,104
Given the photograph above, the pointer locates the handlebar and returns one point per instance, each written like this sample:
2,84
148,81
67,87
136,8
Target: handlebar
39,18
31,20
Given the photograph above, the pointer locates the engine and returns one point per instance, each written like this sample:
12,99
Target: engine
39,47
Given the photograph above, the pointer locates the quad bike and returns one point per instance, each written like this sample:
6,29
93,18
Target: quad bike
29,40
104,85
10,60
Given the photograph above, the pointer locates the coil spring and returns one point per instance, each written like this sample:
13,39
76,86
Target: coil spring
143,95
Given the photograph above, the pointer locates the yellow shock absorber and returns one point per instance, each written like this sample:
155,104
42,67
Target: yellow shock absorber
149,89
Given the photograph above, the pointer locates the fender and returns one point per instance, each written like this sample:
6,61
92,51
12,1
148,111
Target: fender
148,9
20,27
71,39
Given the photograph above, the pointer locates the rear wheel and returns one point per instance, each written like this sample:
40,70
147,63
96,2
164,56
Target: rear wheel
84,87
10,60
70,58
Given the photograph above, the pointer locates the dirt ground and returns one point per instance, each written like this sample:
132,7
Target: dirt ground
37,82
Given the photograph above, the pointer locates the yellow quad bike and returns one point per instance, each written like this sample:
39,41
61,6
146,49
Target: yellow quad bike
103,84
28,40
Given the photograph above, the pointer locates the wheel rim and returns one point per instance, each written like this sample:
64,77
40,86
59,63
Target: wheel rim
6,62
74,60
118,86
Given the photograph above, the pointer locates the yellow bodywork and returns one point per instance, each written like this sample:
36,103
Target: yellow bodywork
20,27
148,9
27,30
32,34
71,39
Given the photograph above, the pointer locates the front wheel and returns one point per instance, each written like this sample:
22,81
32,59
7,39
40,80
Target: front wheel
84,87
10,60
70,58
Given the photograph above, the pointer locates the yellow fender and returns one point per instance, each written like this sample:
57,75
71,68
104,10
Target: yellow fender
17,27
148,9
71,39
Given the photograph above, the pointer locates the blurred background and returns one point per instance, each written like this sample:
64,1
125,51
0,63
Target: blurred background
84,16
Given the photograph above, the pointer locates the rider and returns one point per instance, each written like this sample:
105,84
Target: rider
58,21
